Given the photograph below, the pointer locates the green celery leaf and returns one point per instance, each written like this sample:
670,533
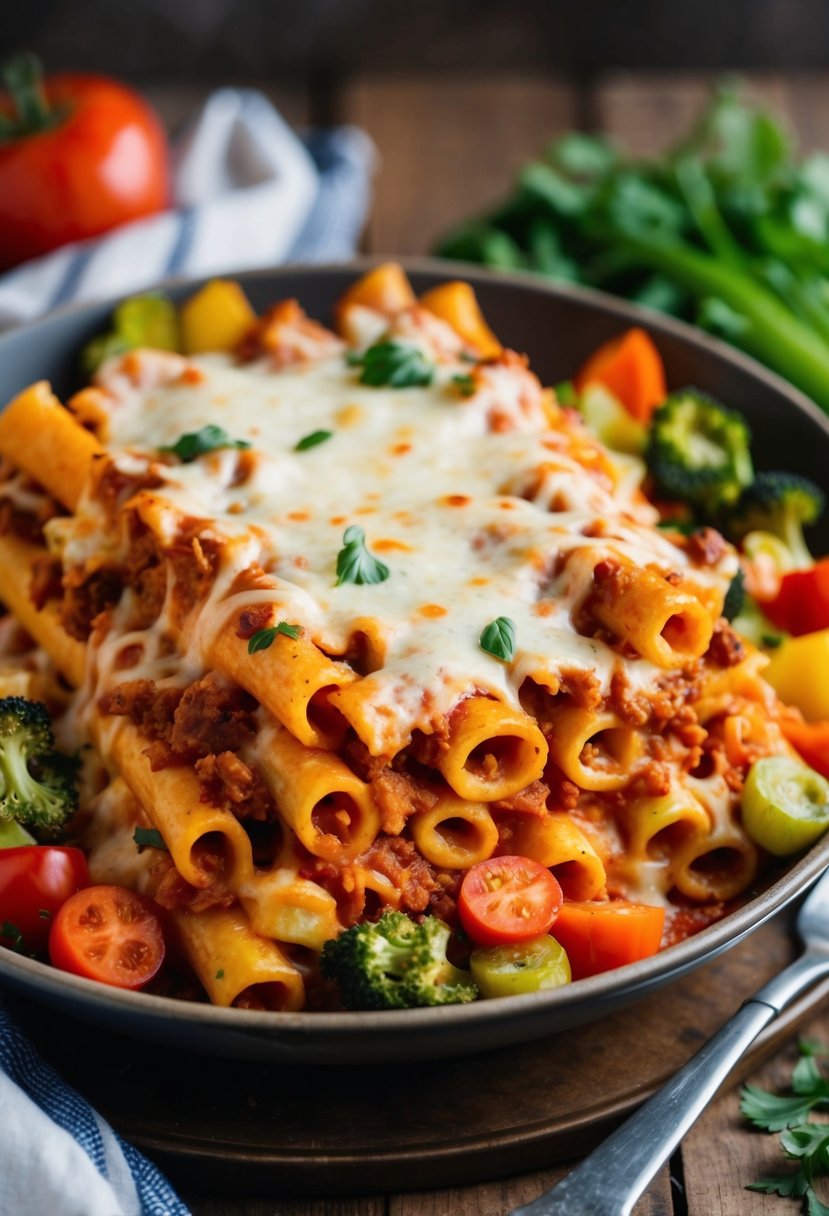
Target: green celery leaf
482,242
720,318
581,156
544,184
636,205
661,293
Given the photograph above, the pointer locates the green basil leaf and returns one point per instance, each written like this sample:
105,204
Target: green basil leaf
465,385
149,838
197,443
397,364
263,638
498,638
354,562
312,440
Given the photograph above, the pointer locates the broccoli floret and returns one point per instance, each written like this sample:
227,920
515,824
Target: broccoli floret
780,503
394,963
37,783
698,451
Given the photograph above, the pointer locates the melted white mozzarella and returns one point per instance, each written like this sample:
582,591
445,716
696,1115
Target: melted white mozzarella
439,494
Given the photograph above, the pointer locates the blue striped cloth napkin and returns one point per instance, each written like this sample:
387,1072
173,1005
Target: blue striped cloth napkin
248,192
57,1155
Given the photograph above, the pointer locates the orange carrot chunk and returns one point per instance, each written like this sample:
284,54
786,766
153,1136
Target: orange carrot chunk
631,368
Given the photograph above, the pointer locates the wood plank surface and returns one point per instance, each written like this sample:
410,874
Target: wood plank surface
646,112
723,1152
275,1205
448,146
500,1198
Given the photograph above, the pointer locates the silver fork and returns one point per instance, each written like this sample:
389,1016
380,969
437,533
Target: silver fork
611,1179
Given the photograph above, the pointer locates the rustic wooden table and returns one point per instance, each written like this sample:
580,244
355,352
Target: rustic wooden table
448,146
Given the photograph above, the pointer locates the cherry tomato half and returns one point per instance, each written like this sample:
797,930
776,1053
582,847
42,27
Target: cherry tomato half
35,880
508,899
108,934
600,936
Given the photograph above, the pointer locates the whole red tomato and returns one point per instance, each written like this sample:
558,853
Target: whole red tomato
35,880
79,154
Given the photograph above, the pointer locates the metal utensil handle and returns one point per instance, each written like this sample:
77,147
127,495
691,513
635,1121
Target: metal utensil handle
611,1179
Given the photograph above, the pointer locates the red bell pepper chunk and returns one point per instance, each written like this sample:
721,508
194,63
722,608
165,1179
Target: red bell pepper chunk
811,741
802,601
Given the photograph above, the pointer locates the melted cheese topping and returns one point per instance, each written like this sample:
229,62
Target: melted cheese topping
480,506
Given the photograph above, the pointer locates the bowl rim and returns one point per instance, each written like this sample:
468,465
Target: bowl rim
634,979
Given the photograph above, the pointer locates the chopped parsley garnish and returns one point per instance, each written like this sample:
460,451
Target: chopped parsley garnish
498,638
801,1141
11,935
396,364
149,838
263,638
197,443
354,562
312,440
220,975
465,384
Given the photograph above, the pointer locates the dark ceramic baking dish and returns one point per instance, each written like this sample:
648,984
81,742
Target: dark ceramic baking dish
557,327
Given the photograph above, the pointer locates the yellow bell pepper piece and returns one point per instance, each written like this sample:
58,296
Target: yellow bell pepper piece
457,304
216,318
799,674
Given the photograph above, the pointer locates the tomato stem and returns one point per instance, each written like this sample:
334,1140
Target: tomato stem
23,77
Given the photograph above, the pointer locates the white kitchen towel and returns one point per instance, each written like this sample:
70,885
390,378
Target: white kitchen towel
58,1157
247,192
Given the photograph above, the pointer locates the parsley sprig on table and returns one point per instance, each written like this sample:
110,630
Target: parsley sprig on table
802,1141
396,364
